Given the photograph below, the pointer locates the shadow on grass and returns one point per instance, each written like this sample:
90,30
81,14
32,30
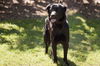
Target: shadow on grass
32,35
29,33
85,33
84,36
6,31
61,62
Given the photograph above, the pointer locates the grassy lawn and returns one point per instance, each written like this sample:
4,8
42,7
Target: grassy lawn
21,43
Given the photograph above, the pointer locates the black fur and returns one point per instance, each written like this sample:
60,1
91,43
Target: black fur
56,31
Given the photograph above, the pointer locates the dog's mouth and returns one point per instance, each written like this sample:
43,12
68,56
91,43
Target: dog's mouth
53,20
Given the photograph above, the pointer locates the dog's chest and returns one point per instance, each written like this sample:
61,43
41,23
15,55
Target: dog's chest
58,28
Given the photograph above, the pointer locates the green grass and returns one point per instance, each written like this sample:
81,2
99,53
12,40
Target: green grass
21,43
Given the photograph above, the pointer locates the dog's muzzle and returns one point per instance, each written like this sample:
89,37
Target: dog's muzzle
53,16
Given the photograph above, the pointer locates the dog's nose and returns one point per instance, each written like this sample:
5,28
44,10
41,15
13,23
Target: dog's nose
53,13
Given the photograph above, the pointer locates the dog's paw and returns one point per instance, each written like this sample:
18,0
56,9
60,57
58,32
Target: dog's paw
66,62
55,60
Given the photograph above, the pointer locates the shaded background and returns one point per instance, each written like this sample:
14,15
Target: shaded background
21,9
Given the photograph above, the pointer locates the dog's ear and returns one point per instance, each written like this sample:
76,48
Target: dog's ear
65,8
64,5
48,7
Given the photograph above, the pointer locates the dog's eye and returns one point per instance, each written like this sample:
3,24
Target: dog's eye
55,8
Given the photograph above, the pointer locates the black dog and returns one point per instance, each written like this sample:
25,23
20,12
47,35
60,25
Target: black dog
56,30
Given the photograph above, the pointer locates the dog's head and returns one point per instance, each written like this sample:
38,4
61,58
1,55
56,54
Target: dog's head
56,12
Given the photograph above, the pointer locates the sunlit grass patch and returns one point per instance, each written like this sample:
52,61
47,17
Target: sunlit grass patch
92,57
9,26
30,57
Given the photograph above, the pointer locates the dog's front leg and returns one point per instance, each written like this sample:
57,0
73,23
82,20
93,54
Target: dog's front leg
53,44
46,50
46,37
54,51
65,48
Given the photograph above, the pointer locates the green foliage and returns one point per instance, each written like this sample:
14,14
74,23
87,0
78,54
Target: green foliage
21,43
